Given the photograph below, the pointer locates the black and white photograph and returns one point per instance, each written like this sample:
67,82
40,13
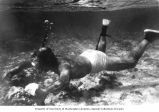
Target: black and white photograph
82,53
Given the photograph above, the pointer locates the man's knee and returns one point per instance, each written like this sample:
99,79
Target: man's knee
132,62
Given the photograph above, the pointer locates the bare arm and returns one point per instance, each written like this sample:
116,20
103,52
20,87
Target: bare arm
58,86
61,83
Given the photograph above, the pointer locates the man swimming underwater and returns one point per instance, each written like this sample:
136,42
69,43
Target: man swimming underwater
90,61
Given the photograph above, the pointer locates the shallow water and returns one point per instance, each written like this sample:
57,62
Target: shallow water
21,32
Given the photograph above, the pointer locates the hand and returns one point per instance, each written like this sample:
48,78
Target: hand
40,96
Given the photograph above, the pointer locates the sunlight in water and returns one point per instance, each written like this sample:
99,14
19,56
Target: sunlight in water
157,2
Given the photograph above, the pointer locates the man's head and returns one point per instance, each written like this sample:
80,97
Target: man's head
46,59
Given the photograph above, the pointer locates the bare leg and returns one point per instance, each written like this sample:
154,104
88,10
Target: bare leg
130,61
101,44
47,30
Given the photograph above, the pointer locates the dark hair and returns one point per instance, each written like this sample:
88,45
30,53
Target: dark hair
46,59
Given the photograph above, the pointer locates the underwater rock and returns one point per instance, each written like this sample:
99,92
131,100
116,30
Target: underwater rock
50,78
20,75
14,90
53,99
31,88
54,76
48,82
18,96
23,78
133,77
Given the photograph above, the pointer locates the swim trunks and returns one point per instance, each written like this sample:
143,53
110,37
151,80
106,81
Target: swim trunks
97,58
